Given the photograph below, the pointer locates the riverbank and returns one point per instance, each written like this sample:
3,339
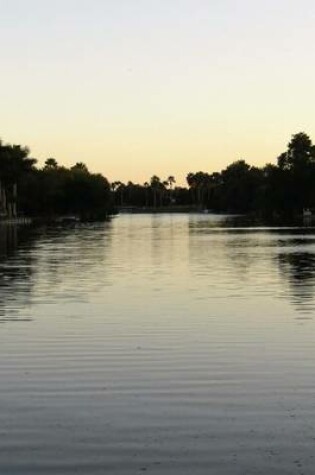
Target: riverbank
160,209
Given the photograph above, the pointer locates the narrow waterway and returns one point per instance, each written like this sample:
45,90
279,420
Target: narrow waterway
161,344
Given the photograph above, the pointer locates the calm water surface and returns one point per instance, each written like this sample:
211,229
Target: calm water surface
161,344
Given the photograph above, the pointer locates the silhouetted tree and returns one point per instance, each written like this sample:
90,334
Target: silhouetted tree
155,184
51,164
14,163
296,175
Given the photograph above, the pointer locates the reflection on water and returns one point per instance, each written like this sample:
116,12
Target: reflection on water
167,344
299,269
8,240
71,262
15,273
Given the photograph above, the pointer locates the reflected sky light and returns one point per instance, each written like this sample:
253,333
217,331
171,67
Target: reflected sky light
167,341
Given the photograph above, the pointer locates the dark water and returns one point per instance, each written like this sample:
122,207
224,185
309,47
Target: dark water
157,344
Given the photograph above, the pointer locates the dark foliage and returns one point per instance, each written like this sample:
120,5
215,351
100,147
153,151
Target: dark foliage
283,189
50,191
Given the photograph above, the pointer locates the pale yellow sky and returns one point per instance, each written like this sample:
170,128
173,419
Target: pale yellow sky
141,87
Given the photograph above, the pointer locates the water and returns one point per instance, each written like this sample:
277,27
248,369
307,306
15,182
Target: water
161,344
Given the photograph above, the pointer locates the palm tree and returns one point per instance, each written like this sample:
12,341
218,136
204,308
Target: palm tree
120,188
80,167
171,181
114,186
192,183
155,183
51,164
146,186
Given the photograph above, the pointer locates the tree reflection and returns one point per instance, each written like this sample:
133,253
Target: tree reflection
222,243
245,258
48,265
299,269
71,261
16,265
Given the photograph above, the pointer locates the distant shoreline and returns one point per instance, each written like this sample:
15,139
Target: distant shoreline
161,209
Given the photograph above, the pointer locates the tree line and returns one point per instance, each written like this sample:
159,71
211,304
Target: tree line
51,190
285,188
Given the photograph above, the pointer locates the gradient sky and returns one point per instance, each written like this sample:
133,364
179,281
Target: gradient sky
141,87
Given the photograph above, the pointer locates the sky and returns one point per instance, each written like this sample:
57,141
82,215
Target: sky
135,88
